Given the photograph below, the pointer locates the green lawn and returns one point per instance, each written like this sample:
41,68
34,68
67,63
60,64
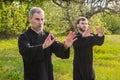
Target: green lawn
106,61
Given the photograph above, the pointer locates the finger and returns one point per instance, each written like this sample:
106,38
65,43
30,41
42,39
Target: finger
68,36
75,39
53,40
102,30
47,43
98,28
72,35
49,36
69,33
89,29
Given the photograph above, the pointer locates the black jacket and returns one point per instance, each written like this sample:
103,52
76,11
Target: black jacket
83,56
37,61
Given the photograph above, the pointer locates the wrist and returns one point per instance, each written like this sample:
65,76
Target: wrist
43,47
100,35
65,45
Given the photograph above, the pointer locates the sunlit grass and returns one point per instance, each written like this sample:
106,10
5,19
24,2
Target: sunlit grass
106,61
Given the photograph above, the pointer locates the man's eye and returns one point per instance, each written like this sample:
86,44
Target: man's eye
37,19
83,23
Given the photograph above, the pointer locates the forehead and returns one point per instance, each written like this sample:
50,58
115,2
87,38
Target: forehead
38,15
83,21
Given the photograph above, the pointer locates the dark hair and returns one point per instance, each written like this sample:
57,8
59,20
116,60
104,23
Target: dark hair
81,19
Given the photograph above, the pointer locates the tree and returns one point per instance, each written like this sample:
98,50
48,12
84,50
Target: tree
14,16
112,23
75,8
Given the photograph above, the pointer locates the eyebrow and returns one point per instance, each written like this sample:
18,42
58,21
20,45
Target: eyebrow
84,23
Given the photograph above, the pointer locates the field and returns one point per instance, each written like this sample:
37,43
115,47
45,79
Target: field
106,61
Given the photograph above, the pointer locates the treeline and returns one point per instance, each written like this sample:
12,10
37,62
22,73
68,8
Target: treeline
14,18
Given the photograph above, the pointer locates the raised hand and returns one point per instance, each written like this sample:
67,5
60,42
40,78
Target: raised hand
100,31
69,39
48,41
87,33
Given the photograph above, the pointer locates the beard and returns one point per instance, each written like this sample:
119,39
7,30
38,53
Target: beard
80,29
37,28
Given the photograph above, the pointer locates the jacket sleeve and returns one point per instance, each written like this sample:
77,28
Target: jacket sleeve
59,50
28,51
77,43
96,40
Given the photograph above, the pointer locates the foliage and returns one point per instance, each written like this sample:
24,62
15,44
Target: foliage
58,20
97,21
86,8
112,23
13,19
14,16
53,19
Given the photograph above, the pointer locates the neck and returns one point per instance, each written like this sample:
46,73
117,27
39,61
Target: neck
36,30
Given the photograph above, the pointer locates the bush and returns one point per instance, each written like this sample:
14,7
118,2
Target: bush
13,19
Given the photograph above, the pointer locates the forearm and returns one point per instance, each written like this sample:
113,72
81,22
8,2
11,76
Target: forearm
60,50
98,39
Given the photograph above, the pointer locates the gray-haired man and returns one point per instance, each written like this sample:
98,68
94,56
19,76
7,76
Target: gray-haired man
36,47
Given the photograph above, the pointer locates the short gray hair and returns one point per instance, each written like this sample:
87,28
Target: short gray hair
35,10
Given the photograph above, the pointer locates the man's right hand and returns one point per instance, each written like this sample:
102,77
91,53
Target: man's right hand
87,33
48,41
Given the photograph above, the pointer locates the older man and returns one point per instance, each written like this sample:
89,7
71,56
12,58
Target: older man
36,47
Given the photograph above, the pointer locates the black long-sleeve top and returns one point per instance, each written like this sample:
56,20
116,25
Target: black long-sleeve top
83,56
37,61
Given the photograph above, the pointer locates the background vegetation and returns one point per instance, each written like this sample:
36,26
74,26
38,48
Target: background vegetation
60,17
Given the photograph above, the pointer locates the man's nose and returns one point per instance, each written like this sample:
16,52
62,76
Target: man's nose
84,25
40,21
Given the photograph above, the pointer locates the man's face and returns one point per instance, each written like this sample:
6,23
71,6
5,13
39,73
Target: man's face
83,25
37,21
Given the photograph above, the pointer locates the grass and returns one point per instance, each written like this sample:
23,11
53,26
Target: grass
11,67
106,61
